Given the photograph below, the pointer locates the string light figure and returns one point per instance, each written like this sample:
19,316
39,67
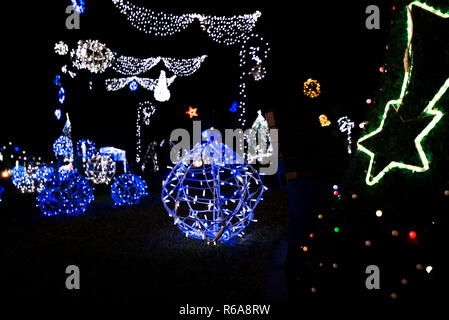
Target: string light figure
65,192
211,194
324,121
128,189
260,147
63,146
229,31
144,112
92,55
312,88
100,169
346,125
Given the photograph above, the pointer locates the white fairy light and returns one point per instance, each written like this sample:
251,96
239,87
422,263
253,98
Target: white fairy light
346,125
92,55
61,48
145,111
100,169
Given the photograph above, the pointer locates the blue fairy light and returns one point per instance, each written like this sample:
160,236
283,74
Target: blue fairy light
63,146
65,192
128,189
61,95
234,106
41,176
217,203
58,114
133,86
16,149
79,6
57,80
1,192
89,148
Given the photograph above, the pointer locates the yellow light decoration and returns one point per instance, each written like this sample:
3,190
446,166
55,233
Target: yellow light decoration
324,121
6,174
312,88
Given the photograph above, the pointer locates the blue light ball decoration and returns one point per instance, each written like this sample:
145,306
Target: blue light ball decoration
66,192
1,192
63,146
211,193
133,86
22,179
79,6
234,107
90,149
128,189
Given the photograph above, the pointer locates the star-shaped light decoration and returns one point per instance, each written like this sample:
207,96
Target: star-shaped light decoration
429,111
192,112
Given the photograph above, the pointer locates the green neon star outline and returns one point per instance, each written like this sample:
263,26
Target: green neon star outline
437,115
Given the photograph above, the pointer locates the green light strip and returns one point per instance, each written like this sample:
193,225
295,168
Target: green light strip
428,110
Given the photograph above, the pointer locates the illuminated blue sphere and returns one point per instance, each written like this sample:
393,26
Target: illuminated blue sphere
133,85
89,146
79,6
63,146
211,194
16,149
65,192
128,189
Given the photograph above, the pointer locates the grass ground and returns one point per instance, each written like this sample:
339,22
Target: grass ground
137,252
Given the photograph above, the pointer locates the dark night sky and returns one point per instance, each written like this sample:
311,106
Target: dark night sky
325,41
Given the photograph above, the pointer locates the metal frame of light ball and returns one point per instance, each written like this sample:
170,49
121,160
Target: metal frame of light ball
100,169
128,189
66,192
222,217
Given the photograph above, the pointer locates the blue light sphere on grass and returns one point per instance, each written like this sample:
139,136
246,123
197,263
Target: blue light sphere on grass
128,189
66,192
63,146
211,194
22,179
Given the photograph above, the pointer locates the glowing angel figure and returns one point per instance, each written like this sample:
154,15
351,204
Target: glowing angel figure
160,87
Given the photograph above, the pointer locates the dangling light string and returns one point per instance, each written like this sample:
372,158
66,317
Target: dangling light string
346,125
145,110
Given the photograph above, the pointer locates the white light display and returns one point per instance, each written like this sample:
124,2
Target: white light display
225,30
144,113
61,48
132,66
100,169
259,146
346,125
92,55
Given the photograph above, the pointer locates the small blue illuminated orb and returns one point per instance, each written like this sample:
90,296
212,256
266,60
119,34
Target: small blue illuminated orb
65,192
79,6
63,146
86,148
234,107
58,114
133,86
128,189
16,149
61,95
211,194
